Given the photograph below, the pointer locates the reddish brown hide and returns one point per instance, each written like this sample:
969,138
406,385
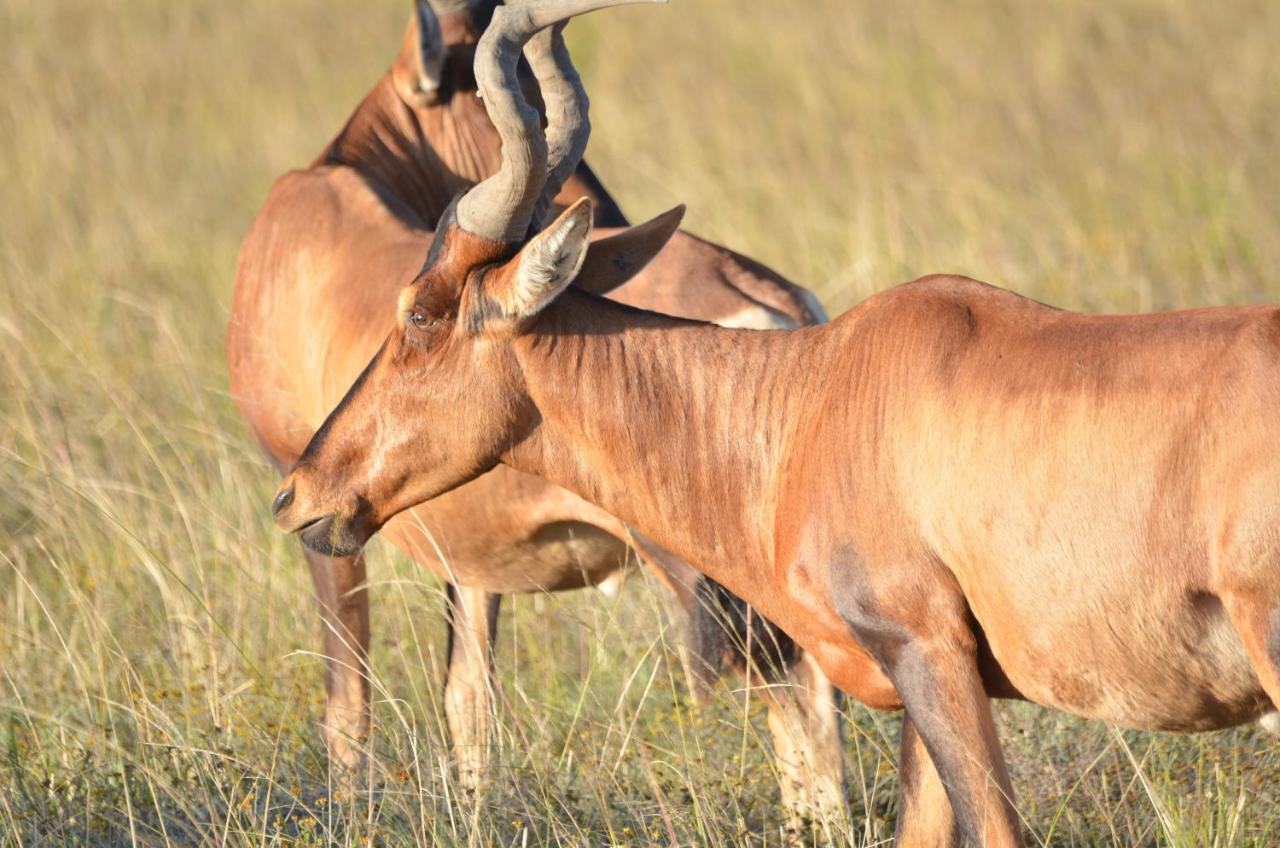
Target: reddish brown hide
320,269
950,493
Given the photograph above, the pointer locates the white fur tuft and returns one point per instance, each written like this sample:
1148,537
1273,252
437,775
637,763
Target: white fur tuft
550,261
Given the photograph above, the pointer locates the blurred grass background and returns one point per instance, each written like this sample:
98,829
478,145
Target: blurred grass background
157,677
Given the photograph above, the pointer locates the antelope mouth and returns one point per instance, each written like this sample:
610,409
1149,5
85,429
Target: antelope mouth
304,526
331,536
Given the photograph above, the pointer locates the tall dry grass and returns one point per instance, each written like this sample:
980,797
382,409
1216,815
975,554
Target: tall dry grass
158,681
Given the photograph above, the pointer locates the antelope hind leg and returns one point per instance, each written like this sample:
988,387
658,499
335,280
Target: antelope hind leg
804,714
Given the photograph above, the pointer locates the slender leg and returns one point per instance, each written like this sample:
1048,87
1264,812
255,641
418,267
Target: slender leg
940,687
344,615
925,819
914,621
804,719
468,689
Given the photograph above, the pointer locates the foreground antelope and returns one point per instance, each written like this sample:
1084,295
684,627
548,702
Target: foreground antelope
325,259
950,493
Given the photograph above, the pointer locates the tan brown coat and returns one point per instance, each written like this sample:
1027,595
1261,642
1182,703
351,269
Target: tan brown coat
319,270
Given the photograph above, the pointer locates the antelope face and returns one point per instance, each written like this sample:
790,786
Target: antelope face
444,399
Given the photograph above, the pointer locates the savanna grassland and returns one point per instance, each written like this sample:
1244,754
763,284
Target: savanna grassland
158,676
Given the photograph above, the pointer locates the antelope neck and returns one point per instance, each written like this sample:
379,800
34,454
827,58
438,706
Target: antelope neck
415,159
673,426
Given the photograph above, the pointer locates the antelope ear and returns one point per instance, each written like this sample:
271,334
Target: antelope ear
420,66
544,267
615,259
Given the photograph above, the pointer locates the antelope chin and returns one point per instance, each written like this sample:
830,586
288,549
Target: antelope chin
332,536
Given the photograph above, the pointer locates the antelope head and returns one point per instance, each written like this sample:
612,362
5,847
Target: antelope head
435,59
444,399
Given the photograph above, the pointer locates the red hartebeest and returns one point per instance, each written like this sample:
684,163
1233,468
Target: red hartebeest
948,494
326,257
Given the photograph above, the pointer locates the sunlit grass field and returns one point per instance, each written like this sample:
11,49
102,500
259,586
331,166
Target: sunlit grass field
158,676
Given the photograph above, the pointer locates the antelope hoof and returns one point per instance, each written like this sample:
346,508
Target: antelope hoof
344,737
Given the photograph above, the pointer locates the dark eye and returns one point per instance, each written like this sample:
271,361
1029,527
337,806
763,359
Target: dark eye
421,320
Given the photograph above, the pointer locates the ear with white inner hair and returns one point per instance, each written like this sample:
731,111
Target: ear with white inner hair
547,264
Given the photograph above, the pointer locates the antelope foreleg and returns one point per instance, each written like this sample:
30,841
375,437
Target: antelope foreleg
344,616
468,689
912,618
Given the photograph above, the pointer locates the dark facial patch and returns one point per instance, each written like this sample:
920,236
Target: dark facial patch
483,308
457,258
448,220
454,251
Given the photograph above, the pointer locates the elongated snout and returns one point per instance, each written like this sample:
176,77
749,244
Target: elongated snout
332,531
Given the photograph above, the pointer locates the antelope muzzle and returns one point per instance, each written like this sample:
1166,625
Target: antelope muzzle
332,532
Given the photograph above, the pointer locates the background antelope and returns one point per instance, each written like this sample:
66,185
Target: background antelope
159,664
328,254
950,493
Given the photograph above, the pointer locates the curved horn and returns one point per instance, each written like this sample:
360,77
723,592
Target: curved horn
501,207
567,105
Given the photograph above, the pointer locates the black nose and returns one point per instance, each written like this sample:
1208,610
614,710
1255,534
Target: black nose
282,501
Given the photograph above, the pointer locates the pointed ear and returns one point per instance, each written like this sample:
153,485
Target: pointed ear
544,267
613,260
418,70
